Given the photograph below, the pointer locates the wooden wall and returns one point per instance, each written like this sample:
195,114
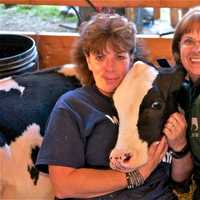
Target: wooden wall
55,48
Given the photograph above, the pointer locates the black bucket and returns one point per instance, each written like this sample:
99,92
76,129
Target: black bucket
18,54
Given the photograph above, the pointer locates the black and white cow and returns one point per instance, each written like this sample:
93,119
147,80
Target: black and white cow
144,101
27,100
25,104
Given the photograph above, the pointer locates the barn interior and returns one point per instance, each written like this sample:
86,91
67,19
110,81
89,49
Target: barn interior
54,48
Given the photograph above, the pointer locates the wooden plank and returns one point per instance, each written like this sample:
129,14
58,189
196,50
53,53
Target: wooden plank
130,13
156,13
111,3
54,49
174,17
158,47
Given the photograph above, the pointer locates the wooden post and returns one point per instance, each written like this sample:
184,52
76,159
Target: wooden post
130,13
174,16
138,19
156,12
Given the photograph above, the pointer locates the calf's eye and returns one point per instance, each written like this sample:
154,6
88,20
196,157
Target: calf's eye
156,105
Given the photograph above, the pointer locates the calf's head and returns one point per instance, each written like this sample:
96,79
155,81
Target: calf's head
144,100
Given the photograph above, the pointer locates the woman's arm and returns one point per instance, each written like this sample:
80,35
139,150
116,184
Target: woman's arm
182,168
175,131
86,183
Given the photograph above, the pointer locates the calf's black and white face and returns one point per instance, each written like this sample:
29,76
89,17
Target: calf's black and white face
158,104
144,100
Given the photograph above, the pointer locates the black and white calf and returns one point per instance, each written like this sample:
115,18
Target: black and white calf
25,104
144,101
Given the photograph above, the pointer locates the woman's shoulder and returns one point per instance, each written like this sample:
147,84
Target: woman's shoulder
86,97
72,93
77,93
76,96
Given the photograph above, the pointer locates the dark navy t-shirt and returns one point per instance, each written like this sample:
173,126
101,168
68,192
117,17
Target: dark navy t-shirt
81,132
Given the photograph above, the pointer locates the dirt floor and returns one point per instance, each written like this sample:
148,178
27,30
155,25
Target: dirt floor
12,21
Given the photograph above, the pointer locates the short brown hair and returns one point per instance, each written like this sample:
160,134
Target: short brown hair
95,34
190,22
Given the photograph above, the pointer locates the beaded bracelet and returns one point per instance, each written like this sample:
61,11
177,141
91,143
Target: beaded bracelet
134,179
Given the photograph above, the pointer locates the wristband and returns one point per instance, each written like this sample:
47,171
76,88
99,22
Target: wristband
180,154
134,179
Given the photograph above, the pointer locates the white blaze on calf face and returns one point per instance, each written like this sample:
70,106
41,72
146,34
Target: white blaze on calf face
130,151
15,180
6,84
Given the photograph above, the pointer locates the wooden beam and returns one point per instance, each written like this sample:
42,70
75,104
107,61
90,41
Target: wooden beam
111,3
174,17
156,13
54,48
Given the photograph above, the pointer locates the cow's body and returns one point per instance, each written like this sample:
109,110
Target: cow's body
25,103
144,101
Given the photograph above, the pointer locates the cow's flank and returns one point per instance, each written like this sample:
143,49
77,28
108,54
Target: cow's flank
25,103
16,161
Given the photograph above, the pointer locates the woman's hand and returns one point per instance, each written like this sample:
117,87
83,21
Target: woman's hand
175,131
157,151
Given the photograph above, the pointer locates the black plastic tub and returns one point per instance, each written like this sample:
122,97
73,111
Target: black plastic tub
18,54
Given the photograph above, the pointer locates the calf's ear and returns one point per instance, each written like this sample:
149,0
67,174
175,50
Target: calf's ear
178,77
169,80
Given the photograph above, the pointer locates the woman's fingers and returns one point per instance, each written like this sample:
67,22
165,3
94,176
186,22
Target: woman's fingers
175,130
157,150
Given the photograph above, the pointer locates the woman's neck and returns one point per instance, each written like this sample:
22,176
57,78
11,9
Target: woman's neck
108,94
